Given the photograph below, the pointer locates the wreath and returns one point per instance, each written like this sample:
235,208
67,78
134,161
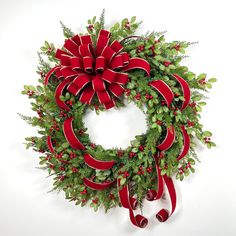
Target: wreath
100,70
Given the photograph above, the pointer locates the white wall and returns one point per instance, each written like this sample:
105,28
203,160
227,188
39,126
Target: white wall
207,202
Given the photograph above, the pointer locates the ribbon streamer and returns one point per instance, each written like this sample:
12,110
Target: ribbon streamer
97,164
97,186
124,195
49,144
186,147
186,91
70,135
169,139
164,90
164,214
58,93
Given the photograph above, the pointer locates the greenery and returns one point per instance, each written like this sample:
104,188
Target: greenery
135,163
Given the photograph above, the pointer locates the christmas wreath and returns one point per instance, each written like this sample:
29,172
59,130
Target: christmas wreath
100,70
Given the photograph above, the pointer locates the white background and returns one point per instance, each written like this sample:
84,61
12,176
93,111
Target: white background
207,200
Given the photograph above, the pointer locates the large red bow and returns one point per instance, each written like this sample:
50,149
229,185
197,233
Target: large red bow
96,70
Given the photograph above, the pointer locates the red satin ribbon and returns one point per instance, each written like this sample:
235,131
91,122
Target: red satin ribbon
93,71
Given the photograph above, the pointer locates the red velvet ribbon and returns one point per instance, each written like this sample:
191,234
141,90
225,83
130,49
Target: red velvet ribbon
93,71
186,91
59,92
70,135
164,90
97,186
186,146
97,164
49,144
152,194
125,199
169,139
164,214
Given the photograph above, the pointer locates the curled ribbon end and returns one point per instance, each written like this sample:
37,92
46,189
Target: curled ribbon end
151,195
162,215
134,203
141,220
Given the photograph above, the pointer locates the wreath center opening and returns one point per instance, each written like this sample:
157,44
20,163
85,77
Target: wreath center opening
115,127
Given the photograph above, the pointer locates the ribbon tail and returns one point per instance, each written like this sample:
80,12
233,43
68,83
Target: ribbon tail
137,220
163,215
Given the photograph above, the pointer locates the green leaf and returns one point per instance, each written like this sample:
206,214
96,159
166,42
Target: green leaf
65,145
201,76
202,103
46,44
133,19
212,80
154,126
62,98
207,134
67,96
208,85
163,172
116,26
94,19
122,181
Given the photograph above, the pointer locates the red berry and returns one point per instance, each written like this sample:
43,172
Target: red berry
90,27
126,174
177,47
74,170
120,153
111,196
131,154
141,148
127,92
138,96
166,63
95,201
62,178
